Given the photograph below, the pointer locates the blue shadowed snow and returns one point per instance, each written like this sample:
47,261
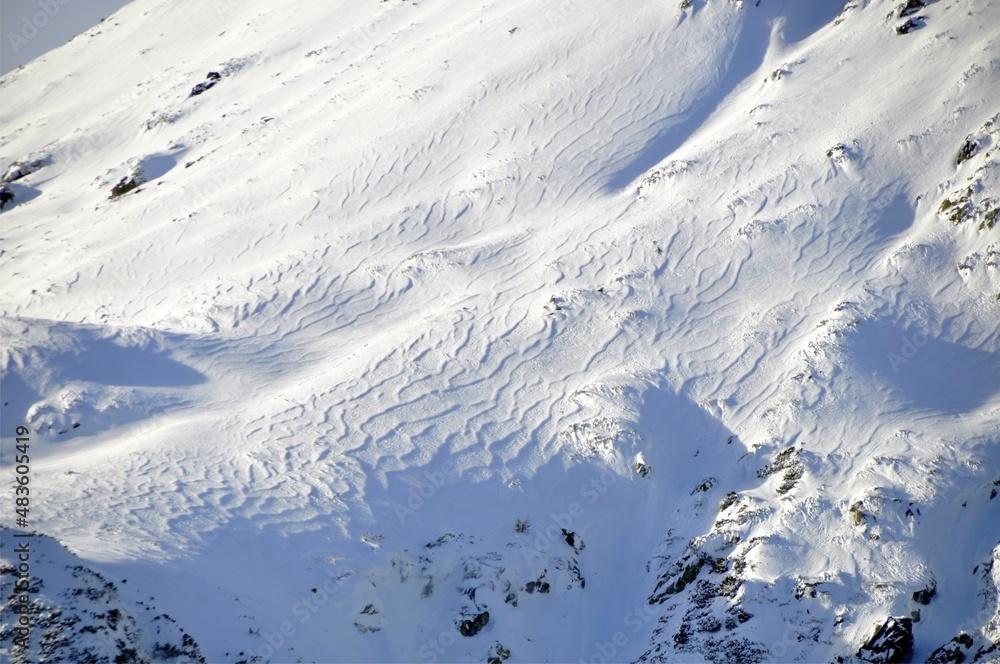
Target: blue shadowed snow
107,363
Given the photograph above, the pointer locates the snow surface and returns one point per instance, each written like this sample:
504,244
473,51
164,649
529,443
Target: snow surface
413,271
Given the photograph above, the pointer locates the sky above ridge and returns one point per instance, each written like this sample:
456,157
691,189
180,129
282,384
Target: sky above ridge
34,27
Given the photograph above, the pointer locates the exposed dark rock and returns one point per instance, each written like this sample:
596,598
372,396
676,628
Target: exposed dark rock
729,499
573,570
701,596
857,512
573,540
6,196
790,479
497,654
782,461
910,25
892,643
441,540
78,616
911,7
474,626
164,651
839,153
739,651
806,589
130,182
720,565
201,87
212,78
968,203
969,150
984,654
741,615
957,209
708,624
19,169
729,587
787,461
705,486
925,595
537,586
956,650
688,574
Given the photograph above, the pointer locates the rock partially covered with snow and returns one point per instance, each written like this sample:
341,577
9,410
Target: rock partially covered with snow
956,650
129,182
892,643
19,169
74,614
211,79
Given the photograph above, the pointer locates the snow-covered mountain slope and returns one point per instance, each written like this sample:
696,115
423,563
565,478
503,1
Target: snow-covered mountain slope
78,614
516,331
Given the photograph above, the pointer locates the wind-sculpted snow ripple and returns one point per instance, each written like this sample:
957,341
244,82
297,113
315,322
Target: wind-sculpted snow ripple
439,305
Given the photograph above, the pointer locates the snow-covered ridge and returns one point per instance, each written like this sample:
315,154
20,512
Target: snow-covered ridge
449,331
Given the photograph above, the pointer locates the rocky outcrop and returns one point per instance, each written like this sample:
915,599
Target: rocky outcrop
211,79
6,196
892,643
474,625
65,611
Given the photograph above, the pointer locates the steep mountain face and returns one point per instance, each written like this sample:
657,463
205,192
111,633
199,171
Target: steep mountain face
77,615
510,331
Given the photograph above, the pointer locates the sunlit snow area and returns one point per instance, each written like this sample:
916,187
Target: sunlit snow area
503,331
